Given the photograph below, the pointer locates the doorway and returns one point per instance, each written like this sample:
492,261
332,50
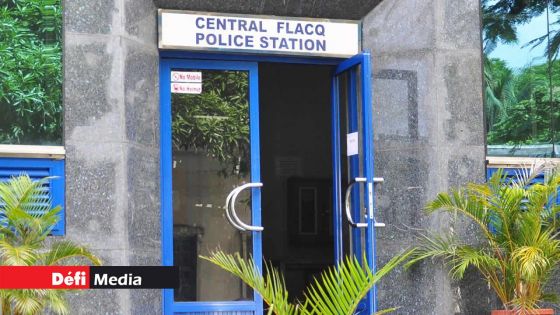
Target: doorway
296,170
306,127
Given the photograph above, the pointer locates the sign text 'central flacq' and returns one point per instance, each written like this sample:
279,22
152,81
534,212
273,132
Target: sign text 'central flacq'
205,31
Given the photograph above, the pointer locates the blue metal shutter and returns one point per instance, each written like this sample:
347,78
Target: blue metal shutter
37,169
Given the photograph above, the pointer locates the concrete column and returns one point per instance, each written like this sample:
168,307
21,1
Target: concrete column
112,140
429,137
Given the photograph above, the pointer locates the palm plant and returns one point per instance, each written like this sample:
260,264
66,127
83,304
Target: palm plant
499,91
518,224
338,290
26,219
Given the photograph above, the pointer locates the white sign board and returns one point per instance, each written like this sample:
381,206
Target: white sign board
352,144
186,88
258,34
186,76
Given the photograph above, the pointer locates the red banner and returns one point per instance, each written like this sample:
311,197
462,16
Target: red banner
44,277
86,277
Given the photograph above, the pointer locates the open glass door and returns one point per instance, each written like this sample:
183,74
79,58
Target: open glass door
353,177
211,181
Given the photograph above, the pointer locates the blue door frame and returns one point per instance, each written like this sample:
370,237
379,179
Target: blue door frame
169,305
193,60
358,66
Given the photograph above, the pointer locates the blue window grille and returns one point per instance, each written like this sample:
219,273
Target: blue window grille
510,173
37,169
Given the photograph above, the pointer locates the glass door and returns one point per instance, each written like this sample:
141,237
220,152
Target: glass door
353,178
211,181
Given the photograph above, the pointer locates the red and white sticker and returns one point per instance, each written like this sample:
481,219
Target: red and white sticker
186,76
186,88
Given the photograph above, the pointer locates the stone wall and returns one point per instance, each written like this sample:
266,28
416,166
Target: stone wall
112,141
333,9
429,136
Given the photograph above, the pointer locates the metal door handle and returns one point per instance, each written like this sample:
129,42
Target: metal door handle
378,180
228,215
347,202
232,215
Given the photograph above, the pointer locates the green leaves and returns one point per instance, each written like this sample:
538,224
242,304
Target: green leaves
271,287
336,292
339,289
216,121
26,218
31,72
519,104
65,250
518,224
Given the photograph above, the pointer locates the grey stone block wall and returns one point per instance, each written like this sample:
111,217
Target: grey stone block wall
333,9
429,136
112,141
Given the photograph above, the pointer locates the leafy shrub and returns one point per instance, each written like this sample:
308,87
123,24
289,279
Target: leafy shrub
30,72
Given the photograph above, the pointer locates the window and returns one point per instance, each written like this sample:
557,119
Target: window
31,95
521,41
31,72
37,169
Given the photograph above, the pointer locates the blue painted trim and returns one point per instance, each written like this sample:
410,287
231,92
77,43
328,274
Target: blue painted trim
58,193
57,185
337,177
367,123
254,136
253,58
194,307
169,305
350,65
165,177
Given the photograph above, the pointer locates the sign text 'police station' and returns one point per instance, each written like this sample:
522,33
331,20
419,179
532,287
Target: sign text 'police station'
200,31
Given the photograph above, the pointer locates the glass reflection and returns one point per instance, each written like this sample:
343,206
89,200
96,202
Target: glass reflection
521,42
210,132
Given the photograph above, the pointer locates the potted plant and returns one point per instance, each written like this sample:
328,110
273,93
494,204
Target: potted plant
338,290
517,222
25,222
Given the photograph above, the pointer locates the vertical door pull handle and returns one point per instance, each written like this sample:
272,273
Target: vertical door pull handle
228,214
376,181
347,202
235,193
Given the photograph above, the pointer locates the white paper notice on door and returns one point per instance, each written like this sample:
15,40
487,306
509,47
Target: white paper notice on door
352,144
186,88
186,76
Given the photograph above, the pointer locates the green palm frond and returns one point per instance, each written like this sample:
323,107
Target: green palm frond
27,219
65,250
386,311
471,205
56,302
531,260
519,223
17,255
271,287
337,291
21,192
26,208
27,302
458,256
